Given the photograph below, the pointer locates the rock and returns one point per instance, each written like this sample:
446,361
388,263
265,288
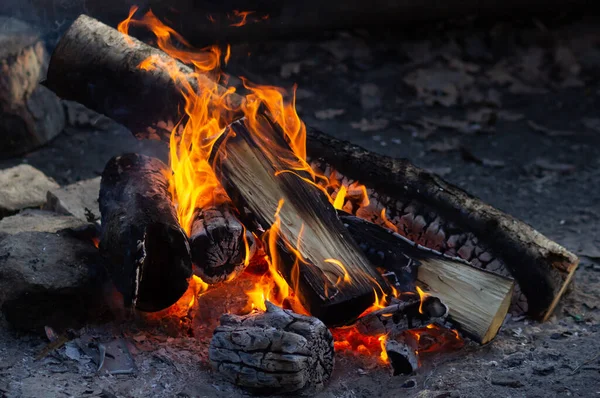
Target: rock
79,200
33,220
21,187
506,380
47,279
543,369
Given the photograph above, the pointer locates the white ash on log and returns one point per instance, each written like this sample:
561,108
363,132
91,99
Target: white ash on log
273,352
428,210
402,354
406,312
148,253
333,279
478,300
221,246
30,115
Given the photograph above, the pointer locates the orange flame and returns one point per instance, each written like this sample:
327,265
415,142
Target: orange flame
193,184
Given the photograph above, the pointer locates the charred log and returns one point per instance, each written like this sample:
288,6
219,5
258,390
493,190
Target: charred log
478,300
97,66
402,314
332,278
221,246
147,251
402,354
273,352
30,115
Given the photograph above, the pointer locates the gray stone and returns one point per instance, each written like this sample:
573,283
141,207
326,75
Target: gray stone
506,379
46,279
33,220
79,199
21,187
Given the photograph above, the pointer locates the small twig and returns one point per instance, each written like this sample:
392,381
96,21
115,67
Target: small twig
592,359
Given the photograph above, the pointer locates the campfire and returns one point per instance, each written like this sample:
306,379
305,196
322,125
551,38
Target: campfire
329,249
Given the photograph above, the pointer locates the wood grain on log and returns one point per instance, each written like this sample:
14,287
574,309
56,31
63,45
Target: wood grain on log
478,300
30,115
273,352
148,254
92,56
221,246
402,314
333,279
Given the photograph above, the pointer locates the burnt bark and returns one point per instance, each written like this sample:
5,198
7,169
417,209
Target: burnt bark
402,355
274,352
97,66
30,115
406,312
147,251
221,246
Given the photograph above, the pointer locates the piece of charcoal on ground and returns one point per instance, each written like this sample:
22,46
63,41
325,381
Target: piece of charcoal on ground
273,352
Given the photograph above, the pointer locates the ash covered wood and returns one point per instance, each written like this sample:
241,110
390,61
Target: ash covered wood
221,246
30,115
89,66
333,279
478,300
147,251
402,314
402,354
274,352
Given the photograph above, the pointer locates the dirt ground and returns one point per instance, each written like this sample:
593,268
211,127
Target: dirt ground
509,111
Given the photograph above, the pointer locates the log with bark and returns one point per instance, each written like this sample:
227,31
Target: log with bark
97,66
406,312
30,115
314,252
273,352
478,300
147,251
221,246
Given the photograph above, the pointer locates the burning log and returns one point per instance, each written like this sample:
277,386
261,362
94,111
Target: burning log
314,252
478,300
30,115
402,314
148,253
402,354
273,352
221,246
98,66
541,267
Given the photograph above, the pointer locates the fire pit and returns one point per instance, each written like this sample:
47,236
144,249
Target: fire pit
277,245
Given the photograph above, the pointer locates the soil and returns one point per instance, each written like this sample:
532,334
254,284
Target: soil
535,155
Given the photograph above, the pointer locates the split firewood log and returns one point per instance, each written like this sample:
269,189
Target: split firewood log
30,115
148,253
406,312
478,300
221,246
273,352
98,66
314,252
